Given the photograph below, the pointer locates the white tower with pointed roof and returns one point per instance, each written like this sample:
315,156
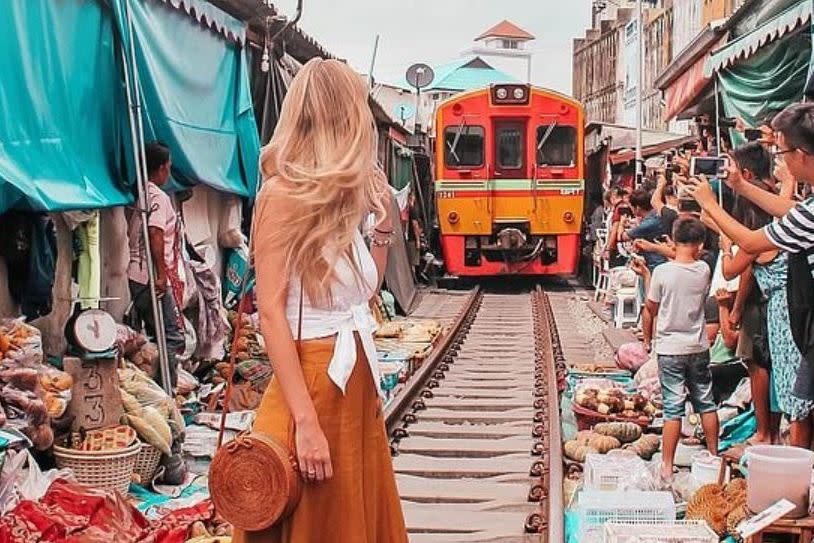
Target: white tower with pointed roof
506,47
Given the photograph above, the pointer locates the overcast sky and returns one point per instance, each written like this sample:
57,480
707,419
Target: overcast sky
437,31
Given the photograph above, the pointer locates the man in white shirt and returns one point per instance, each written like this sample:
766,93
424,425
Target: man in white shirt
163,227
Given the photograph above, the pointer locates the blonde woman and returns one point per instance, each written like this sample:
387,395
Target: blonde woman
314,267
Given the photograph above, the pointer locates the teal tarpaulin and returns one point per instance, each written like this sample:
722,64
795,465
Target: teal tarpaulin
62,107
770,80
196,99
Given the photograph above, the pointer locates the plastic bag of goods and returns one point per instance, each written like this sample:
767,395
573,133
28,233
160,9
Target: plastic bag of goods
20,343
149,410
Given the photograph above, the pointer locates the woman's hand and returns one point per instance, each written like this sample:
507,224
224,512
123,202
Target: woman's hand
700,189
313,453
724,297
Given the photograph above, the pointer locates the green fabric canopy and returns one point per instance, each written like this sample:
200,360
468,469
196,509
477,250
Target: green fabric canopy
62,108
196,99
768,81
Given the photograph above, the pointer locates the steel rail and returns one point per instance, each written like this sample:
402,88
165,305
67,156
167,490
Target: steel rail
403,402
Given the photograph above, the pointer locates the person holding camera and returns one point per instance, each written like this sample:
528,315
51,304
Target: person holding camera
650,227
793,233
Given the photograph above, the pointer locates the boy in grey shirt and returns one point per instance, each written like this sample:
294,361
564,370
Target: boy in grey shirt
678,290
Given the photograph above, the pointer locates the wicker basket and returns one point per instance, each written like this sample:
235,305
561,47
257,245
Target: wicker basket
147,463
108,470
588,418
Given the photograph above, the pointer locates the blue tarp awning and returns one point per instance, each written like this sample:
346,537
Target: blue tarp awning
64,134
197,99
62,107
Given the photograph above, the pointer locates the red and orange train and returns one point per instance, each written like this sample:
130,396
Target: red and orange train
510,181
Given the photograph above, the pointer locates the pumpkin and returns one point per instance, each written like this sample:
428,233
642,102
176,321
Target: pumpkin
577,451
603,444
625,432
646,446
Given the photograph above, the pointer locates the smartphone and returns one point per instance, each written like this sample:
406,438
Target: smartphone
664,238
752,134
709,166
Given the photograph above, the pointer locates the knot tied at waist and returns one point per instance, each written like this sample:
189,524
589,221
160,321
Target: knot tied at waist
357,318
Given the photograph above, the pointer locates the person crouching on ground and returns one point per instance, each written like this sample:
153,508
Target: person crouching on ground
677,292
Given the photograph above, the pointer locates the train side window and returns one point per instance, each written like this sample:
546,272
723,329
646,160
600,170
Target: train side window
556,145
463,146
510,147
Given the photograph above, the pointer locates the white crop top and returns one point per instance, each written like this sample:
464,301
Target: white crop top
349,313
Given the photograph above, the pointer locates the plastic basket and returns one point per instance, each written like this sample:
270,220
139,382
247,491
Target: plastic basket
597,508
108,470
147,462
680,531
617,470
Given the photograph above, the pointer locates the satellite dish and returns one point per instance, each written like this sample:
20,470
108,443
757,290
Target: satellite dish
404,111
420,75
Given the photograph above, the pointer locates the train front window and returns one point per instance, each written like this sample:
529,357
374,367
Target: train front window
463,146
556,145
510,147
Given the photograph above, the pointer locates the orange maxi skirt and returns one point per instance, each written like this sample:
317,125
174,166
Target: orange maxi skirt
360,504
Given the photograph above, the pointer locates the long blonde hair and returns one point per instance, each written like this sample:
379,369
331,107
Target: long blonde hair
322,159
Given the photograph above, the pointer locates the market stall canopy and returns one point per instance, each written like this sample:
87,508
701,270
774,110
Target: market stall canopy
772,30
621,140
62,108
685,90
197,98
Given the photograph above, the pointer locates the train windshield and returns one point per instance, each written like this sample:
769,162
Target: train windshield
463,146
510,146
556,145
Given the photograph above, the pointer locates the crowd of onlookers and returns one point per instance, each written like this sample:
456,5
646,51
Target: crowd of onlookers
725,262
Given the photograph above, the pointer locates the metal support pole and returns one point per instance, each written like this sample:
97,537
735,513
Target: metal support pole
718,138
717,119
373,62
137,134
639,94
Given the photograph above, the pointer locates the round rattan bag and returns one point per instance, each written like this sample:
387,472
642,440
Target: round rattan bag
254,481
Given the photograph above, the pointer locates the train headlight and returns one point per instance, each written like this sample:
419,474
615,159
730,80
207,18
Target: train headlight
453,217
568,217
502,93
519,93
511,94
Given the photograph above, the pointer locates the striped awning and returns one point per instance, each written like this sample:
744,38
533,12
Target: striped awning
772,30
685,90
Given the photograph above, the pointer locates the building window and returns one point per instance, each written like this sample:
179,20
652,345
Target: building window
556,145
510,44
463,146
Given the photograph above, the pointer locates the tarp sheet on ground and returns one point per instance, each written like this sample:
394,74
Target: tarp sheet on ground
196,97
62,107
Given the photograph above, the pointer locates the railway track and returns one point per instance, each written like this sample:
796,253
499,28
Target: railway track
472,431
